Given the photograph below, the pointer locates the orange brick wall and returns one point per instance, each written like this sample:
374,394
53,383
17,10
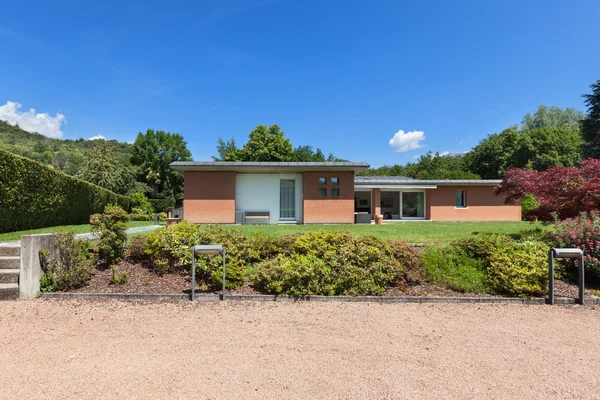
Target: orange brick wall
328,210
482,205
209,197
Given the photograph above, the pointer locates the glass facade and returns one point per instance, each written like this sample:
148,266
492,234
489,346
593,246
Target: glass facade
413,205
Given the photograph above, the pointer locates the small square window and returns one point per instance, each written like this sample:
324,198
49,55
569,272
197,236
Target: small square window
322,192
335,181
322,181
335,192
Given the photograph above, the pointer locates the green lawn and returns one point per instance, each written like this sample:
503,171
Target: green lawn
85,228
411,232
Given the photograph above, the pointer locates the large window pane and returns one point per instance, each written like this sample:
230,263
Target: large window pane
287,199
413,205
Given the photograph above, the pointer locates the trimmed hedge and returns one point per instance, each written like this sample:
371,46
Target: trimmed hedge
33,195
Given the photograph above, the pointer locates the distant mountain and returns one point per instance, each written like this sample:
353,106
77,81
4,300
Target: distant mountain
65,155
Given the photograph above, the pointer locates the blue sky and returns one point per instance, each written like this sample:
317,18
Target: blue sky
344,76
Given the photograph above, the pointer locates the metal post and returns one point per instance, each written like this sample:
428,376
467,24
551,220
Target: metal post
193,275
551,276
223,254
581,281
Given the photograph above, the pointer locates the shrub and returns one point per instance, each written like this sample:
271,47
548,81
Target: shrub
520,269
482,247
41,196
529,205
139,217
118,278
71,268
172,250
452,267
110,228
141,202
331,263
136,249
162,216
582,232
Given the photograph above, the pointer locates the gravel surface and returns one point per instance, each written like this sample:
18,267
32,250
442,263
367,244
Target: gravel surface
245,350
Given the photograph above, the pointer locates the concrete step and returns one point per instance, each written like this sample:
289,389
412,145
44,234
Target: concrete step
9,291
9,276
10,251
10,262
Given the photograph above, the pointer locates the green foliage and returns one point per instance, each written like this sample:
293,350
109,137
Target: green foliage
136,216
429,166
140,201
71,268
452,267
136,249
490,263
332,263
269,144
64,155
33,195
110,228
101,167
153,152
171,249
590,126
116,277
161,205
528,204
520,269
549,137
582,232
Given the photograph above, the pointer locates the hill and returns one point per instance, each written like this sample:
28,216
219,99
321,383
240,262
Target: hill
65,155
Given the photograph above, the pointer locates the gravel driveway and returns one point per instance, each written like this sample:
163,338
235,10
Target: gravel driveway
246,350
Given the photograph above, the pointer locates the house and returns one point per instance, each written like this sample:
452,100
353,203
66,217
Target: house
329,193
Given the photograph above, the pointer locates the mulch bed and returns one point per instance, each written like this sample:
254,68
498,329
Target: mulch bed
143,280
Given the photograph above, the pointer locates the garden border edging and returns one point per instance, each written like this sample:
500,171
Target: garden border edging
323,299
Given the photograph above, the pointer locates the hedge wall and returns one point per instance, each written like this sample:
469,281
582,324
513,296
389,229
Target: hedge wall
33,195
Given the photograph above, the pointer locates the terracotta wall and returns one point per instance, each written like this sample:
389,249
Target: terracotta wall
209,197
482,205
328,210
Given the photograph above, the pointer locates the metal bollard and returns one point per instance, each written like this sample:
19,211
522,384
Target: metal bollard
565,253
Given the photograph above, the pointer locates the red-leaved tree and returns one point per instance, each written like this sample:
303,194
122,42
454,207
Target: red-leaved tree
566,191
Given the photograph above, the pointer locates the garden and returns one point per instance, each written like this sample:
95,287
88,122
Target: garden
320,262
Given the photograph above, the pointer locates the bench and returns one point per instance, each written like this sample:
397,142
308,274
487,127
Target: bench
257,215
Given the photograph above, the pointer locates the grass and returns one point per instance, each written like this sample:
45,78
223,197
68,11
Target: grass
84,228
411,232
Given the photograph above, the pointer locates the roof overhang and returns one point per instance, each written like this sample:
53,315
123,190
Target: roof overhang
358,188
267,167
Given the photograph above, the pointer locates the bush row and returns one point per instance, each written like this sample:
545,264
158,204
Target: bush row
490,264
324,262
33,195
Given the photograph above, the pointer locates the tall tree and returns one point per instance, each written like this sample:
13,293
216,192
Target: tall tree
428,166
153,151
552,117
268,144
549,137
100,167
590,126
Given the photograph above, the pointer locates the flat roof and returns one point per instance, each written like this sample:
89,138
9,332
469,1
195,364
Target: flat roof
268,166
383,181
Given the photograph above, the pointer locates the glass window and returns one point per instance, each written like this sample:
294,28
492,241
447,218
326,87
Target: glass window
335,192
287,199
322,181
322,192
413,205
461,199
335,181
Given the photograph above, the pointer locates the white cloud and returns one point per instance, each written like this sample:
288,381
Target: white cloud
444,153
97,137
42,123
402,142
